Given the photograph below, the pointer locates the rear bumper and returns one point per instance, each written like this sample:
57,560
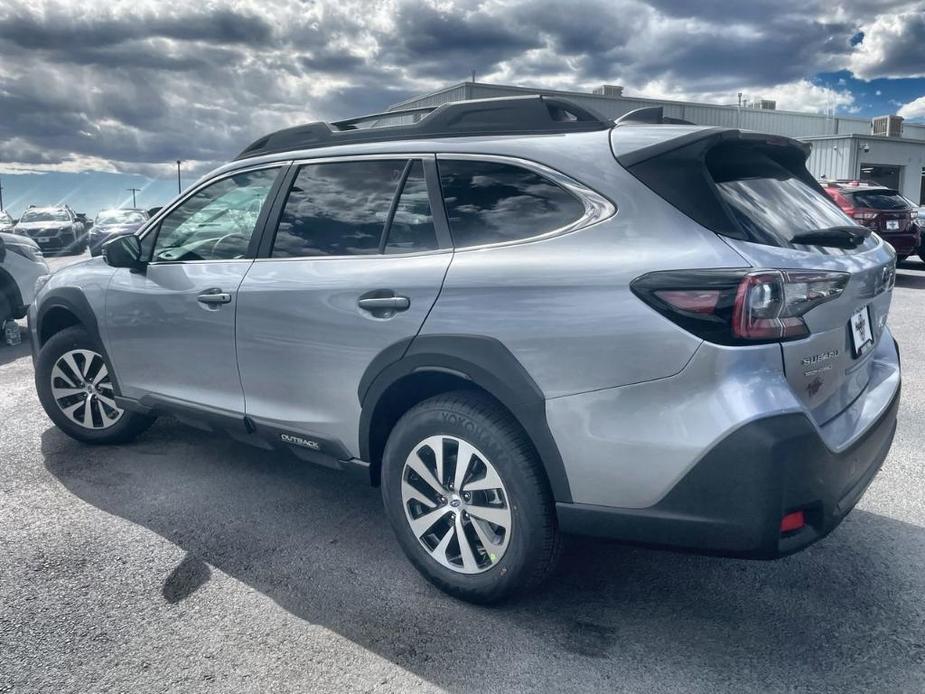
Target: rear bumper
904,243
731,503
57,242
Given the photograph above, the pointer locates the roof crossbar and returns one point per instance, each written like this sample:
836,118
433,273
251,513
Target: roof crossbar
519,115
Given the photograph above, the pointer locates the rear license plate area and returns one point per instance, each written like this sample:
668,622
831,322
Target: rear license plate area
862,335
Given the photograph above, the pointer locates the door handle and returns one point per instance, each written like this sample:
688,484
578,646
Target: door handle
214,297
394,303
383,303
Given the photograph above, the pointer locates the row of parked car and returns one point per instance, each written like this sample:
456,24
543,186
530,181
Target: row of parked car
59,229
24,242
897,219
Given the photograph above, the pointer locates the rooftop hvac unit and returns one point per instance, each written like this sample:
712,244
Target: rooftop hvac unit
608,90
887,126
767,104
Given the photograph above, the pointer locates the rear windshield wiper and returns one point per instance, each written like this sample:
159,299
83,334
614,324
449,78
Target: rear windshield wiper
836,237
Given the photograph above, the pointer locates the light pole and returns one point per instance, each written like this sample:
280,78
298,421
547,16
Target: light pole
1,197
134,190
179,189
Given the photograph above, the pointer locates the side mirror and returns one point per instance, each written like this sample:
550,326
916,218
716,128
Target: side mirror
124,251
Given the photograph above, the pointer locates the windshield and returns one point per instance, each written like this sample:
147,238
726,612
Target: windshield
878,200
120,217
45,216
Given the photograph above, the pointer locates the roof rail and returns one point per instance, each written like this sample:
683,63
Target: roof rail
650,115
519,115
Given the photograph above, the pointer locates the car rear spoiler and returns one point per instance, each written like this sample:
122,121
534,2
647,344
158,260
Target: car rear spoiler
707,139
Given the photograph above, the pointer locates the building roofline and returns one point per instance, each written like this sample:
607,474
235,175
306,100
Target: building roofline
862,136
645,99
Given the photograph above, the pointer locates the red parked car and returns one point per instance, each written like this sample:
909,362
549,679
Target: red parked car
880,209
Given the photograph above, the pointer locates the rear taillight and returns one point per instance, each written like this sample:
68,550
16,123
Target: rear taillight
863,215
737,307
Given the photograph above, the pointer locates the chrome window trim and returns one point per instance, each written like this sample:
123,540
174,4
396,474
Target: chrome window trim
347,158
597,207
358,256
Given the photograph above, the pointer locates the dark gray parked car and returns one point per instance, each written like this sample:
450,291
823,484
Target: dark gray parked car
55,229
519,319
112,223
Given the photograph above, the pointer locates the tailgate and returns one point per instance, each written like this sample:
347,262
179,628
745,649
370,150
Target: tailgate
829,369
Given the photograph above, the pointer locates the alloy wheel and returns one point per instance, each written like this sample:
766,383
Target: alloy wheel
82,389
456,504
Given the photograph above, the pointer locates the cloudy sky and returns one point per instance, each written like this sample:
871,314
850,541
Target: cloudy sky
127,88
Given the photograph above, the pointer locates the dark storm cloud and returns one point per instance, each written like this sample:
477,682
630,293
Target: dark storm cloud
758,43
132,88
449,45
59,31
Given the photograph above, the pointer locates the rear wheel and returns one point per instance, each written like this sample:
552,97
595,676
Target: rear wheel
467,498
75,386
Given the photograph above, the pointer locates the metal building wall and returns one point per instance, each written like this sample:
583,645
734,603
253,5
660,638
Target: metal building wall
831,158
842,157
788,123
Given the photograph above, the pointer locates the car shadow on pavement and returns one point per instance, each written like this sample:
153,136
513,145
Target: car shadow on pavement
911,281
11,353
837,616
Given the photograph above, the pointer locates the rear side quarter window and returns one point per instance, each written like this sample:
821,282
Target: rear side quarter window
494,202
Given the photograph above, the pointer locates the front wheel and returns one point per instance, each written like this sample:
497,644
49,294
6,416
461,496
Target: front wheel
467,498
74,383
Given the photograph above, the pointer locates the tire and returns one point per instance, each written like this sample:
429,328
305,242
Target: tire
530,547
107,424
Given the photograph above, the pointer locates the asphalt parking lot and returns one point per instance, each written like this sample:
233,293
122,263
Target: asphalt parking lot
185,562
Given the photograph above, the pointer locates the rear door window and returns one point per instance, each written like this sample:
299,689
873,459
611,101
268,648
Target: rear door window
877,199
493,202
338,209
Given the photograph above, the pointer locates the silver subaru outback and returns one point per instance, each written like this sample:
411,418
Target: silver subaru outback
516,317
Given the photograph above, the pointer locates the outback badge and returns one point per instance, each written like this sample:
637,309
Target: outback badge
299,441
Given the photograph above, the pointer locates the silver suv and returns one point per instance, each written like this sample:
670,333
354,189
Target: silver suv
519,319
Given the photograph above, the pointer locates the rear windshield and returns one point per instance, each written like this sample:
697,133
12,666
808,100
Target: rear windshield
877,199
768,201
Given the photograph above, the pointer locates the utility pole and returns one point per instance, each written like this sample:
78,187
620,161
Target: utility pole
179,189
1,197
134,190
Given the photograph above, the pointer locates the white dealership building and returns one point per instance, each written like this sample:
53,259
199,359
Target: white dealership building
884,150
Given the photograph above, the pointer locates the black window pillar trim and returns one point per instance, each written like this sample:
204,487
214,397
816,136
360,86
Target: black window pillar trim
275,211
396,196
437,205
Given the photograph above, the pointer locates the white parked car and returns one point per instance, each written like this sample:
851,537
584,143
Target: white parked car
21,263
